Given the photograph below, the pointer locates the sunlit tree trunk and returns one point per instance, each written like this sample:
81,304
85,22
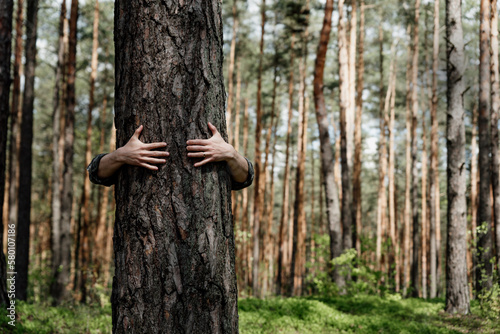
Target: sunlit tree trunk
6,7
15,119
484,234
259,186
457,293
495,106
433,172
360,69
471,235
327,164
345,138
230,73
424,209
281,279
61,270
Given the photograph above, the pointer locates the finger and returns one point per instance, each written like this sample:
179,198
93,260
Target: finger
212,128
197,155
197,142
157,154
138,131
201,163
153,160
196,148
150,167
151,146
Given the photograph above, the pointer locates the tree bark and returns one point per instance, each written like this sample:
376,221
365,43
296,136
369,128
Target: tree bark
484,234
259,186
433,172
414,152
61,270
327,164
360,69
230,73
85,244
25,159
15,120
495,106
173,242
281,279
457,294
6,7
57,126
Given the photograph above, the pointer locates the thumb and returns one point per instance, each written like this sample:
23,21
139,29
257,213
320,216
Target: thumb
212,128
138,132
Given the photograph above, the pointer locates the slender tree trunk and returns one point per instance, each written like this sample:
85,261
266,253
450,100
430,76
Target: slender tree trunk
174,240
382,155
230,73
6,7
457,294
25,159
433,172
244,200
414,152
424,209
345,140
408,208
327,163
57,120
360,69
473,199
62,270
88,158
484,234
393,223
495,106
281,279
258,189
15,120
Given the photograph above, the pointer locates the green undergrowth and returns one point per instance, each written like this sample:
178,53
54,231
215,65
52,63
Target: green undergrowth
341,314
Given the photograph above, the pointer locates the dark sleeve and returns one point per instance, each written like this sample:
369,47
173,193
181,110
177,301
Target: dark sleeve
240,185
93,167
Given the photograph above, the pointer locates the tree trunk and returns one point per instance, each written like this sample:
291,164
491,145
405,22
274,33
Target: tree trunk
433,172
174,242
61,270
327,163
484,234
88,158
414,151
230,73
424,209
244,201
360,69
6,7
25,159
457,294
495,106
57,124
345,140
15,120
258,189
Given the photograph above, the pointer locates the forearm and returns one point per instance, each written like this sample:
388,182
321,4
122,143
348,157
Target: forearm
109,164
238,166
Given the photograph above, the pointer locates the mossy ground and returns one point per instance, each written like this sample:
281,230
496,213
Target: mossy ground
343,314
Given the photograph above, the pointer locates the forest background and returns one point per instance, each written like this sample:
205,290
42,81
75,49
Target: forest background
393,138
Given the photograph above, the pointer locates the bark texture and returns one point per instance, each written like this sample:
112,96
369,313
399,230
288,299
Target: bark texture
484,234
457,293
173,240
23,225
327,163
6,7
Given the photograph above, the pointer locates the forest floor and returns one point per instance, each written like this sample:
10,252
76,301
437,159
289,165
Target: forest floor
343,314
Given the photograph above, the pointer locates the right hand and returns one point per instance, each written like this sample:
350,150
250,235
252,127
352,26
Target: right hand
137,153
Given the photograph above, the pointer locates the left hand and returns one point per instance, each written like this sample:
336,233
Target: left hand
210,150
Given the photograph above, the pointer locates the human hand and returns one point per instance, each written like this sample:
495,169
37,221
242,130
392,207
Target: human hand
137,153
210,150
